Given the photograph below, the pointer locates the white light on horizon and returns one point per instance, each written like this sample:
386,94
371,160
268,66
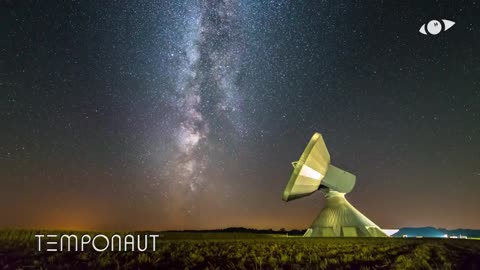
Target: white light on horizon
390,232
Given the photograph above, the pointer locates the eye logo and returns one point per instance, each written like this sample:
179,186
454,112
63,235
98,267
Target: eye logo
434,27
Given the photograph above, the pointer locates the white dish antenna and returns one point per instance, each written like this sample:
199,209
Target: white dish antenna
313,172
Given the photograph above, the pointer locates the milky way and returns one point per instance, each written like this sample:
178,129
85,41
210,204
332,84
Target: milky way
206,94
187,114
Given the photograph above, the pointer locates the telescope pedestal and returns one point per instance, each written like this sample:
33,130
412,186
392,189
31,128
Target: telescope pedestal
339,218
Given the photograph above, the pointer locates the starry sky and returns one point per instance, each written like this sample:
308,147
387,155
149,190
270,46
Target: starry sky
132,115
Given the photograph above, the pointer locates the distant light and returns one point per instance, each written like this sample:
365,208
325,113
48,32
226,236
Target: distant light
445,235
390,232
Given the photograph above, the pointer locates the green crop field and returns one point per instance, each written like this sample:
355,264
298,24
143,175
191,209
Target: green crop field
192,250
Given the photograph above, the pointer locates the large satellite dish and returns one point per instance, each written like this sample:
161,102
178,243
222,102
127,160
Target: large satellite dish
313,172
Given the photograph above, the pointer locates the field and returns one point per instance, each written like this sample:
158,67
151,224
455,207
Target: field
250,251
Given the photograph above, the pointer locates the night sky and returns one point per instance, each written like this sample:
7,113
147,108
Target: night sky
133,115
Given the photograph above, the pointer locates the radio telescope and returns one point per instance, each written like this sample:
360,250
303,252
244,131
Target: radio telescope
338,217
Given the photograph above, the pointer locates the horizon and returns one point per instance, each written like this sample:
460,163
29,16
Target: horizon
212,229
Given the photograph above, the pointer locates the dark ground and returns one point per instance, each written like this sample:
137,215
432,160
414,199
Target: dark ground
190,250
